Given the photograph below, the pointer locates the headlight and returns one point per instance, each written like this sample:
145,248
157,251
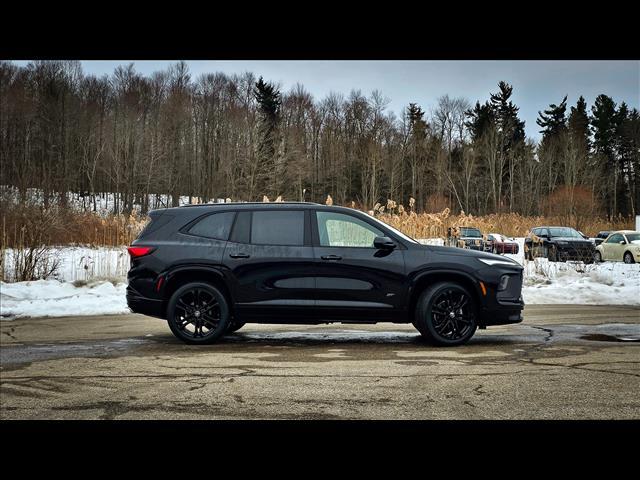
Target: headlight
492,262
504,282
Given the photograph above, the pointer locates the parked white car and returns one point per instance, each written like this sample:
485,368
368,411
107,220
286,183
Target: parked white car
620,246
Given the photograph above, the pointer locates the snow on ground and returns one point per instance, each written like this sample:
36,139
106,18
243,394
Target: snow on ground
82,263
52,298
92,281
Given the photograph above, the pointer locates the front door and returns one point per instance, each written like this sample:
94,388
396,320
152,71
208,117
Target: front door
354,280
613,250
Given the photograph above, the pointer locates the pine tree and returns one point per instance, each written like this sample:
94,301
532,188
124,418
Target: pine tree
265,175
553,119
604,121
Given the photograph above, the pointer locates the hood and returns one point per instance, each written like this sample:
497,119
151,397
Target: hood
464,252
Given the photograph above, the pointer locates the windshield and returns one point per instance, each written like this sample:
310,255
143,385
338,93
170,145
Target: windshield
395,230
470,232
564,232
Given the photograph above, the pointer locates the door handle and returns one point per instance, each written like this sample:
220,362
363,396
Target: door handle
331,257
239,255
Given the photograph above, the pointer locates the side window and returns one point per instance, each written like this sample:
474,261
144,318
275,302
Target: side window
340,230
617,238
278,227
216,226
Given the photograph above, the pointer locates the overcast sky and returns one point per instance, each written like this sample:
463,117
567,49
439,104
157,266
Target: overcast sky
536,83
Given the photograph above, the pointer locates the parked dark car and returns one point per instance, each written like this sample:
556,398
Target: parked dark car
559,244
498,243
601,237
466,237
210,269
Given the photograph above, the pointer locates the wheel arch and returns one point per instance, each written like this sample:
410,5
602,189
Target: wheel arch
181,275
426,279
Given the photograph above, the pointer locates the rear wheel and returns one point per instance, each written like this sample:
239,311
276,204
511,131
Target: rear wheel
198,313
628,258
446,314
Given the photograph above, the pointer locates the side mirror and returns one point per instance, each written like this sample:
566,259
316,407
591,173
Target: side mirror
384,243
622,242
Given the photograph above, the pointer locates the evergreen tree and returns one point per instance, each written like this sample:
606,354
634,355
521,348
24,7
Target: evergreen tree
265,175
480,118
604,120
553,119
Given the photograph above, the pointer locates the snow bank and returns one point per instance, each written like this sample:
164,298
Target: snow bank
52,298
83,263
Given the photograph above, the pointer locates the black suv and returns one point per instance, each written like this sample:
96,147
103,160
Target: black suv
559,244
209,269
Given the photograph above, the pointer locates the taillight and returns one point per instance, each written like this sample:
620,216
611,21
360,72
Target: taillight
136,252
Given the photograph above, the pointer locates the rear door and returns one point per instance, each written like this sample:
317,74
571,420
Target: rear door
269,258
354,280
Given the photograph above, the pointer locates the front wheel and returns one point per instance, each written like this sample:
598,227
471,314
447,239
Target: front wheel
198,313
446,314
597,257
628,258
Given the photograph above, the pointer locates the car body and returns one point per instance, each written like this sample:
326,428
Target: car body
620,246
466,237
601,236
558,244
303,263
499,243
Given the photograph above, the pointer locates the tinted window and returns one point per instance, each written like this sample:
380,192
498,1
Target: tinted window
564,232
241,228
278,228
340,230
216,226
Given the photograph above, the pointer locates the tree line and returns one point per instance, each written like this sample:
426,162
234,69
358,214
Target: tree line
241,137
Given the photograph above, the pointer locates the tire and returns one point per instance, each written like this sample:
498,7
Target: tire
628,258
597,257
439,328
234,327
188,323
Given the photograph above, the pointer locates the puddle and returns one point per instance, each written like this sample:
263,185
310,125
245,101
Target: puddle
601,337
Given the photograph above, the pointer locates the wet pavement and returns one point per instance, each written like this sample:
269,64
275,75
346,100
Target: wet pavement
563,362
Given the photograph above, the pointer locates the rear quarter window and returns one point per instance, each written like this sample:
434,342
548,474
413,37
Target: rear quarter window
216,225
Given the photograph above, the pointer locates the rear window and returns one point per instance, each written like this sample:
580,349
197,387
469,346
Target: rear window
277,228
217,225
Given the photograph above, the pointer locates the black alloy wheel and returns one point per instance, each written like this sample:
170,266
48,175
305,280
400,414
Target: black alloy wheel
446,314
198,313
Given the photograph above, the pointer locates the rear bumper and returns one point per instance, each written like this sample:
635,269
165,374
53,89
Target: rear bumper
146,306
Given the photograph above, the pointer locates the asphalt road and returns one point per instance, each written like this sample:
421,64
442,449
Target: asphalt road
563,362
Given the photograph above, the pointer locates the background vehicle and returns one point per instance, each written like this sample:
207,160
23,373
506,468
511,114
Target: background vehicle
601,236
620,246
466,237
558,244
498,243
209,269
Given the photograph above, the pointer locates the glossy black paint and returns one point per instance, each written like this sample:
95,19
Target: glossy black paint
311,283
